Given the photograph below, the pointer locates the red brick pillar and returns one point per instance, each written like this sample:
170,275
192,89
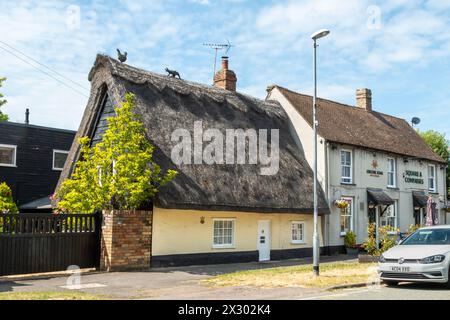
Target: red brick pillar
126,240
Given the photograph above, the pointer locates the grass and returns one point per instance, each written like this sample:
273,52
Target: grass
331,274
50,296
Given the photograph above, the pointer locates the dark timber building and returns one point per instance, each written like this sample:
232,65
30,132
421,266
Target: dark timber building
31,160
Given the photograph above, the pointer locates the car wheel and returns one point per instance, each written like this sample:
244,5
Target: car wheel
390,283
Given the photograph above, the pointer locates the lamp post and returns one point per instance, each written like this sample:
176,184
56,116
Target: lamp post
316,243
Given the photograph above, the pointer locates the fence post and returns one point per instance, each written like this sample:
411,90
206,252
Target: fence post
98,221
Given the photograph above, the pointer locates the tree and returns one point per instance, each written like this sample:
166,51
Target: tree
3,117
118,172
7,204
441,146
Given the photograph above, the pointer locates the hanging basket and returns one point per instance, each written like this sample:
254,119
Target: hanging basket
341,204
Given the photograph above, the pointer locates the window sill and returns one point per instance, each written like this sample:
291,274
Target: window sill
8,165
433,192
224,247
348,184
56,169
392,188
298,242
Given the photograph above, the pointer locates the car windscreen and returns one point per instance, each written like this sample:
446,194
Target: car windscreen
428,237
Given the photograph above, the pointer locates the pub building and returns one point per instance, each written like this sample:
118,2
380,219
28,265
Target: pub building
374,162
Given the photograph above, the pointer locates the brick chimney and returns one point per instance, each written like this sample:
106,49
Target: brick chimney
364,99
224,78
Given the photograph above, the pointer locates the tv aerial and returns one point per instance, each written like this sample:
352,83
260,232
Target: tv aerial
415,121
217,47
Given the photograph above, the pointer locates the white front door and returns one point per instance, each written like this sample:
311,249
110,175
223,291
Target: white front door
264,240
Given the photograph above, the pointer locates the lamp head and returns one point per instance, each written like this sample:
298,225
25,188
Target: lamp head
320,34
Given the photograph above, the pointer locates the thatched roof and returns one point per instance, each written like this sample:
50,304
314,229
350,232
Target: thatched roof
167,104
355,126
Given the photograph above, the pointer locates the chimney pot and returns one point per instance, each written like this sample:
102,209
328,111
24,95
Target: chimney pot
27,116
364,99
225,78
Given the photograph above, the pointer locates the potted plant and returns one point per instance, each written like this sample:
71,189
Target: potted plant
350,243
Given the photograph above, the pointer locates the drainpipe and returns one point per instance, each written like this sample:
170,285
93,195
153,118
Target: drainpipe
328,193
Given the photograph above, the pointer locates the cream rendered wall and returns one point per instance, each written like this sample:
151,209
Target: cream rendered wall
180,231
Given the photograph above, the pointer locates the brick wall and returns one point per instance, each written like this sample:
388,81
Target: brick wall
126,240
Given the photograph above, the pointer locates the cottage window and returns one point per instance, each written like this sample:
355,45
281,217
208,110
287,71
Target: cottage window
346,166
59,159
8,155
389,218
347,216
223,233
392,179
432,178
298,232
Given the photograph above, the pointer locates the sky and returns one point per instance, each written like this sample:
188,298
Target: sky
400,49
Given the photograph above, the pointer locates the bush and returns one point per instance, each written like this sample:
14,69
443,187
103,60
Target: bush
118,172
386,240
7,204
350,240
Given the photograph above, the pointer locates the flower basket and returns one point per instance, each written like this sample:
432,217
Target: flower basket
341,204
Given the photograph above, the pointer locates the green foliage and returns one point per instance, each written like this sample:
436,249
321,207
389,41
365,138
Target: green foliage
118,172
440,145
3,117
7,204
385,237
350,239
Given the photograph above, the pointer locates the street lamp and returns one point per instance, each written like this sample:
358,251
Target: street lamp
316,244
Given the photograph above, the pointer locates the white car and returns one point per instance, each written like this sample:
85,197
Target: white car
424,256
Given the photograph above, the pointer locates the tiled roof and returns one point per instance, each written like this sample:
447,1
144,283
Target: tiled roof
355,126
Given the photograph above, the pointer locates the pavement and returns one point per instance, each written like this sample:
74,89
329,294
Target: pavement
185,283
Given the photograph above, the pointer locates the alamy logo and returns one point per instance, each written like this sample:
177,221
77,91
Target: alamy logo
227,149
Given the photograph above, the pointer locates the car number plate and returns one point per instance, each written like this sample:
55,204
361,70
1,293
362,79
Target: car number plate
400,269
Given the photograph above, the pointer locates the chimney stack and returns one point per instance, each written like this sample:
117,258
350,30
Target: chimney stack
27,116
364,99
225,78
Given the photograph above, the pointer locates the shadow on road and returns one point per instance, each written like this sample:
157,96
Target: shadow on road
421,286
8,286
218,269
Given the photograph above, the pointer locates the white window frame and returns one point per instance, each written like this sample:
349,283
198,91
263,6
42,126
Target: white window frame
352,212
393,172
395,205
233,235
432,178
53,159
14,147
351,166
302,240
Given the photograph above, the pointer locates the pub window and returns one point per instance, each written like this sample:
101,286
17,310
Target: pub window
297,232
346,166
8,155
347,216
432,178
223,233
389,217
59,159
391,173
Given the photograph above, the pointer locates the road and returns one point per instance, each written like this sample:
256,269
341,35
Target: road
404,291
